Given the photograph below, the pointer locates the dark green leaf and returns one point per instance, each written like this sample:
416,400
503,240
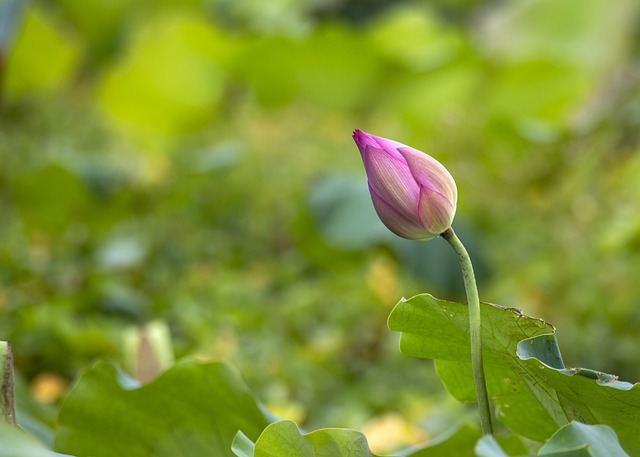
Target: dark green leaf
193,409
534,394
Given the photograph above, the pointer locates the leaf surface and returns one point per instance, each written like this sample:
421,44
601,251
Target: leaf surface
193,409
285,439
599,440
572,440
527,380
17,443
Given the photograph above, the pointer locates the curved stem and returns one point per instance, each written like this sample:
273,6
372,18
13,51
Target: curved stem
475,329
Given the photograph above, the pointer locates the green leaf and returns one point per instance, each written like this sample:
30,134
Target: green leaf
488,447
600,440
572,440
459,441
51,198
242,446
284,439
414,37
547,29
17,443
533,392
336,67
28,73
193,409
169,82
99,24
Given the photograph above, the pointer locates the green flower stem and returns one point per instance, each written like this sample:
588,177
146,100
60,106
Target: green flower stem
475,329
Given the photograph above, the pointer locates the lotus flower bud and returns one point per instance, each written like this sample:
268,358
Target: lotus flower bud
414,194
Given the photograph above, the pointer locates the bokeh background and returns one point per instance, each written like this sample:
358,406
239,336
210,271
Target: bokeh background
187,165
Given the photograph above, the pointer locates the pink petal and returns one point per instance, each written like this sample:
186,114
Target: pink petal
392,180
396,222
363,139
435,211
390,147
430,174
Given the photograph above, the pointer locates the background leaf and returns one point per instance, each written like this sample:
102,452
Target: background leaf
28,73
193,409
534,395
171,80
459,440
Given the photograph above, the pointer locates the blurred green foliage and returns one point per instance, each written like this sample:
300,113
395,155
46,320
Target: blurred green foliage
191,161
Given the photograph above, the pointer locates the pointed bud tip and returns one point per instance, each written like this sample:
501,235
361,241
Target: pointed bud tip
363,139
